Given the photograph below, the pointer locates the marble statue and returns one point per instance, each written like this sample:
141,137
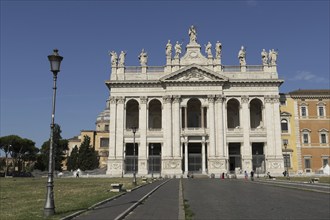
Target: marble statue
114,58
273,57
192,34
168,49
178,49
241,56
264,57
143,57
218,49
121,62
208,49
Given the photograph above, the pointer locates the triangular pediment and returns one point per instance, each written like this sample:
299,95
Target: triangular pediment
194,73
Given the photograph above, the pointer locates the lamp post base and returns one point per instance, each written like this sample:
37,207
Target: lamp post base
49,212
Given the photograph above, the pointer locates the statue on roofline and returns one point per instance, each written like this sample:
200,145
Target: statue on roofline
218,50
168,49
114,58
121,61
241,56
143,57
192,34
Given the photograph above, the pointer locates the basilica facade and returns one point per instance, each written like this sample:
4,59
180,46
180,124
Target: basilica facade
194,114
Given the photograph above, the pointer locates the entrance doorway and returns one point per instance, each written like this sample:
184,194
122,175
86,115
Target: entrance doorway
154,159
234,156
195,157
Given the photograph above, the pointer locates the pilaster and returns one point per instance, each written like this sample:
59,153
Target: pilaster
176,126
143,169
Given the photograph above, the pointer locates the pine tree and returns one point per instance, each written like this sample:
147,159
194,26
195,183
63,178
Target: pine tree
72,162
87,158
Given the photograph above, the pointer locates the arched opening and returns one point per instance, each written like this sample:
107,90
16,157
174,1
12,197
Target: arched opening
132,114
233,113
194,113
256,113
155,114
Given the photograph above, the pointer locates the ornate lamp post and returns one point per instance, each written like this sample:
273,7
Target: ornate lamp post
49,209
286,162
134,171
152,161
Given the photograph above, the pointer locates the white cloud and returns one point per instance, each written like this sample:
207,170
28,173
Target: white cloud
309,77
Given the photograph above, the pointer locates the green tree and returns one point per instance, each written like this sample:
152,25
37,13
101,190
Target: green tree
72,162
60,147
20,149
87,158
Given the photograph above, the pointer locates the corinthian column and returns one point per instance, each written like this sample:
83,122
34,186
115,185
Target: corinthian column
246,150
167,132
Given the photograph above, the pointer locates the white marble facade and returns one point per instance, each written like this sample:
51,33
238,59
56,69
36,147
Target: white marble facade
194,115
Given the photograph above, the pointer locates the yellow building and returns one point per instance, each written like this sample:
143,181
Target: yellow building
312,124
99,138
289,134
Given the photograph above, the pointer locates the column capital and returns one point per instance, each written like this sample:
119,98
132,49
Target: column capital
167,99
176,99
210,98
219,98
245,99
268,99
120,99
113,100
144,99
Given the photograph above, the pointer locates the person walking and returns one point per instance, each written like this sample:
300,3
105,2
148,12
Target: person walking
252,174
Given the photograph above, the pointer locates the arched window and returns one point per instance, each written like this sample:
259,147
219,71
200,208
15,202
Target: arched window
256,113
132,114
194,113
155,114
233,113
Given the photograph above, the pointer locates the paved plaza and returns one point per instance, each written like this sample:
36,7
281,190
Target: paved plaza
217,199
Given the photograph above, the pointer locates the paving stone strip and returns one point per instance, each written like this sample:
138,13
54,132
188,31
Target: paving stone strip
115,207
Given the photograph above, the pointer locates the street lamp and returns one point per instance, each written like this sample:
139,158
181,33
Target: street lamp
152,161
257,164
49,209
134,172
286,161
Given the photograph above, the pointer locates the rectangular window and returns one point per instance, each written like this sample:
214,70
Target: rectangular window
325,161
284,126
303,111
287,162
307,163
321,111
104,142
305,138
106,127
323,138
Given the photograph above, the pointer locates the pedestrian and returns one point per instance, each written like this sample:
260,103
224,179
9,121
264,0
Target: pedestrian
246,175
223,176
252,174
77,173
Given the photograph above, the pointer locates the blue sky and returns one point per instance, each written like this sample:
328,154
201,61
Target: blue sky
84,32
